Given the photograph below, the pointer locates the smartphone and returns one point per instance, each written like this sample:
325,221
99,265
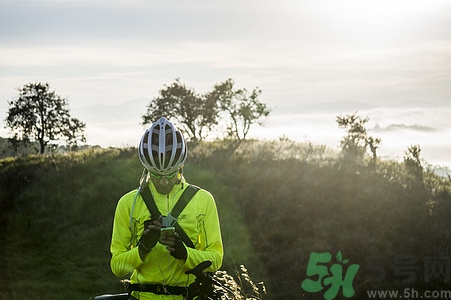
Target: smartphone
167,231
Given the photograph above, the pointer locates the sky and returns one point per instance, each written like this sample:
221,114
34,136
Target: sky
313,60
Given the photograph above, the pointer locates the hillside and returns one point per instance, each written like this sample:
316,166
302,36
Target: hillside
278,202
57,214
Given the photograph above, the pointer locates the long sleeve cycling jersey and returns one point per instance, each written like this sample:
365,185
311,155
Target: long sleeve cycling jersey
200,222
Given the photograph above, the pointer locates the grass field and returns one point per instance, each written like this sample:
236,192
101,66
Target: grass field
278,202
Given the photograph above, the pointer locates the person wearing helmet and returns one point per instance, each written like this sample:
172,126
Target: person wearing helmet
158,263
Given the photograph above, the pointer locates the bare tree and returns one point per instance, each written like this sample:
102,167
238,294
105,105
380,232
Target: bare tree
356,141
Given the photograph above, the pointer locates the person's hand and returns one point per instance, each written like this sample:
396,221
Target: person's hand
150,236
175,246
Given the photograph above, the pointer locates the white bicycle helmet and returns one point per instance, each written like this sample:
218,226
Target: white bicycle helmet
162,149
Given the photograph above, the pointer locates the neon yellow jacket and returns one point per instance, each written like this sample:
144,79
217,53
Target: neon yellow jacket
200,222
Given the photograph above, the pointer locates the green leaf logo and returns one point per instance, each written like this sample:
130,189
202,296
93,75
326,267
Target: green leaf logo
339,257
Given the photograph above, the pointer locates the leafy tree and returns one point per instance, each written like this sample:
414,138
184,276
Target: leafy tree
242,108
74,133
195,113
373,143
41,115
355,143
198,114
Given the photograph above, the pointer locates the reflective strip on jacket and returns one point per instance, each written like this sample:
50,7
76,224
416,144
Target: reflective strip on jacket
200,222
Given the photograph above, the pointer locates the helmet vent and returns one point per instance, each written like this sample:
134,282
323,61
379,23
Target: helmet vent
162,148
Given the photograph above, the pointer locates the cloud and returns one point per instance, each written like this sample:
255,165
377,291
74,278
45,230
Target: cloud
296,51
151,20
394,127
431,130
327,22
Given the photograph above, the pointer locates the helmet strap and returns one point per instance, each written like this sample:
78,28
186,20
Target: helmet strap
143,180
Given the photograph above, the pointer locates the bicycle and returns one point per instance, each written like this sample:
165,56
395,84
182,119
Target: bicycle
204,287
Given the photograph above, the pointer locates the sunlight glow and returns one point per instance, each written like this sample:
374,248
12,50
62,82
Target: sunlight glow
381,21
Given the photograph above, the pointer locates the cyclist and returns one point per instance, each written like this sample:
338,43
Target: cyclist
158,263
